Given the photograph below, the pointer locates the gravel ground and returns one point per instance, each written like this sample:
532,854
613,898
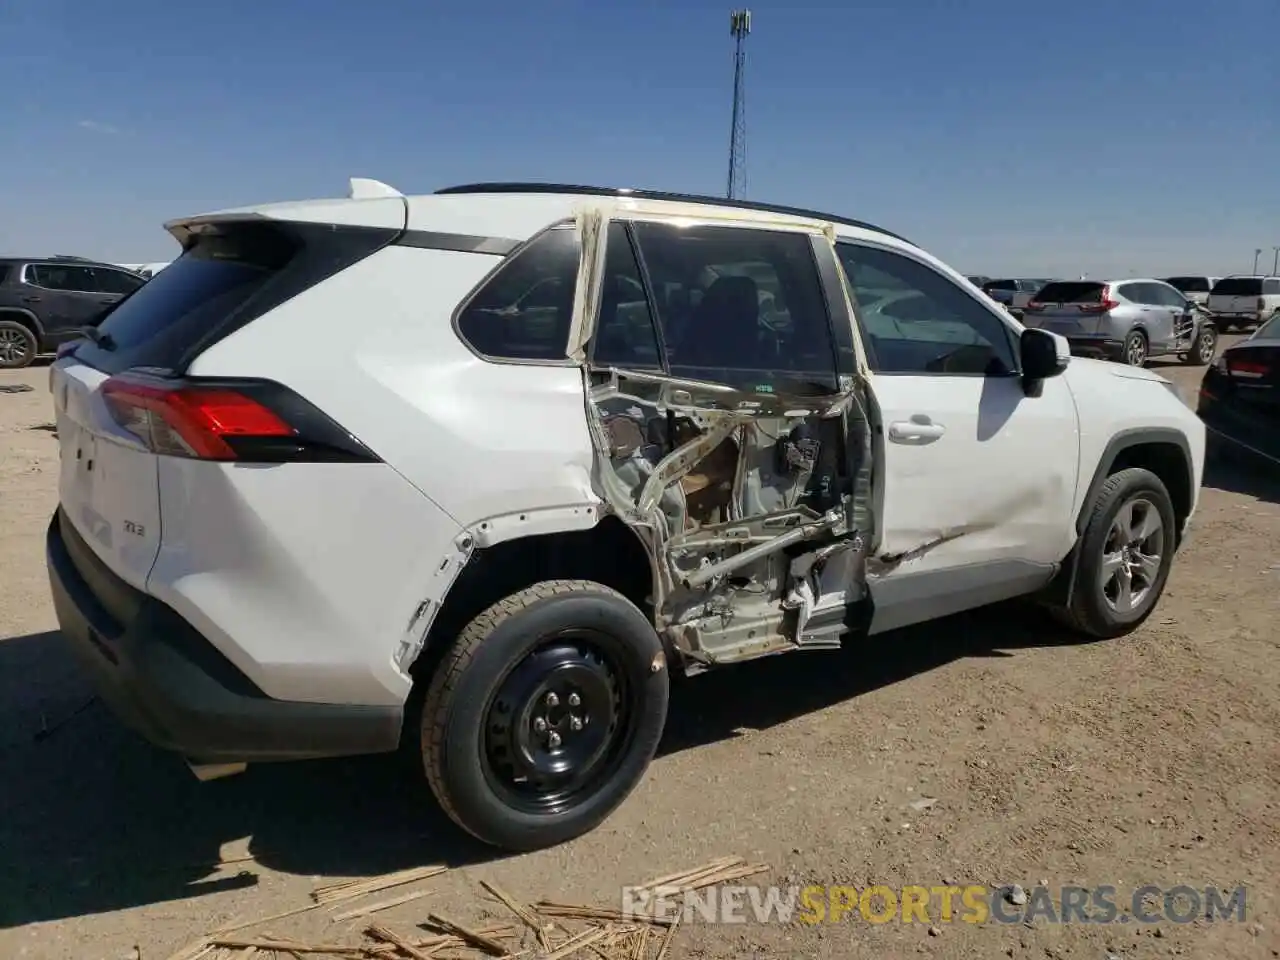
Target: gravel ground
1151,759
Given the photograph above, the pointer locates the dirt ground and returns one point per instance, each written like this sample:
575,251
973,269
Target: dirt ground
1151,759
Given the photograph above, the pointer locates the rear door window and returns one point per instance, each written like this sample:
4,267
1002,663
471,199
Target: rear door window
1270,287
58,276
732,300
115,281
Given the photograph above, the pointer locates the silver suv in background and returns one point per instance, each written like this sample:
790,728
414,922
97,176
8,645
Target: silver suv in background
1195,289
1243,301
1013,293
1125,320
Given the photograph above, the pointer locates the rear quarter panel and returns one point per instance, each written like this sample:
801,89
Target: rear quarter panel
374,347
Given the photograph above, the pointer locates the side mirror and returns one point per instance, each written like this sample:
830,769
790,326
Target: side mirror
1044,355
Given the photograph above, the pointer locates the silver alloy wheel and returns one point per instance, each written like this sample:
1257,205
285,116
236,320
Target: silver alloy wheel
15,346
1205,345
1136,353
1132,555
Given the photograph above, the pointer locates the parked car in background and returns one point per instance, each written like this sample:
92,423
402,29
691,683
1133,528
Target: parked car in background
568,490
1129,321
1014,294
1240,398
1195,289
46,302
1242,301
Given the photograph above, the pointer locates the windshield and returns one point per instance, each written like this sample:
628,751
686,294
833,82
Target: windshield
1238,287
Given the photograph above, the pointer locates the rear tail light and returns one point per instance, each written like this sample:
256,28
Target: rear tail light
1262,304
1033,305
1105,302
228,421
1251,369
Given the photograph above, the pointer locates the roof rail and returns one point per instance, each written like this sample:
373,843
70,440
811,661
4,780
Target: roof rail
568,188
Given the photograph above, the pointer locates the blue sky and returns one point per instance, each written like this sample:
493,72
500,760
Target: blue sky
1022,138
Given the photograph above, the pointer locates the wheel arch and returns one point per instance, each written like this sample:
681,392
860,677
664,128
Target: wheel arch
607,552
1162,450
25,317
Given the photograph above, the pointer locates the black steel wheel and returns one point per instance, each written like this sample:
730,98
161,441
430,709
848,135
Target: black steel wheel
545,713
558,723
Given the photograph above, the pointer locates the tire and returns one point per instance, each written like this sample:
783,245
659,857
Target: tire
1134,352
18,345
499,668
1205,346
1091,610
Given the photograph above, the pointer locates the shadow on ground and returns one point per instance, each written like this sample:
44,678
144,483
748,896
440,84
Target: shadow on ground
1235,471
93,819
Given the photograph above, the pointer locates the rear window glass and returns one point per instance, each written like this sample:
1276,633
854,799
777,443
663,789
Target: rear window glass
1003,285
1077,291
1238,287
1269,330
164,318
1189,284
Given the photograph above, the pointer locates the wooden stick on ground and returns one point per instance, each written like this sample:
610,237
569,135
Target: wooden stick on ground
350,889
474,937
390,936
527,916
282,945
380,905
581,941
683,876
577,911
666,941
232,928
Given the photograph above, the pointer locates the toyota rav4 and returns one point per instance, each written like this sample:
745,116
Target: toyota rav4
525,450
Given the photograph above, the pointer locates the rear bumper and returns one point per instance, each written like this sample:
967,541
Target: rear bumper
168,683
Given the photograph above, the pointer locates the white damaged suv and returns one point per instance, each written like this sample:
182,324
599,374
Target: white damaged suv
525,449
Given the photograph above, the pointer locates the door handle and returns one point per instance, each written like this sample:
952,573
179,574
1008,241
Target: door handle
108,300
30,299
916,430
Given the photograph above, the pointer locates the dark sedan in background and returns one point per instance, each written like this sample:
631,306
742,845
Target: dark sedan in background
1240,398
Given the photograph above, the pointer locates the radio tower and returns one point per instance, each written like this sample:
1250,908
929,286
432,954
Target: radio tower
739,27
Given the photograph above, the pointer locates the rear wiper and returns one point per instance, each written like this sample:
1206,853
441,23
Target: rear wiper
101,340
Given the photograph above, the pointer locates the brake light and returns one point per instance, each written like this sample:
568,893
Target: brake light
190,421
1247,368
1105,302
1033,305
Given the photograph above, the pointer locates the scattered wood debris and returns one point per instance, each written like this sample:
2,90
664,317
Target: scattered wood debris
547,929
351,889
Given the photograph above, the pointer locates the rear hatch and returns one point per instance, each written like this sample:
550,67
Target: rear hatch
120,400
1236,296
1073,308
